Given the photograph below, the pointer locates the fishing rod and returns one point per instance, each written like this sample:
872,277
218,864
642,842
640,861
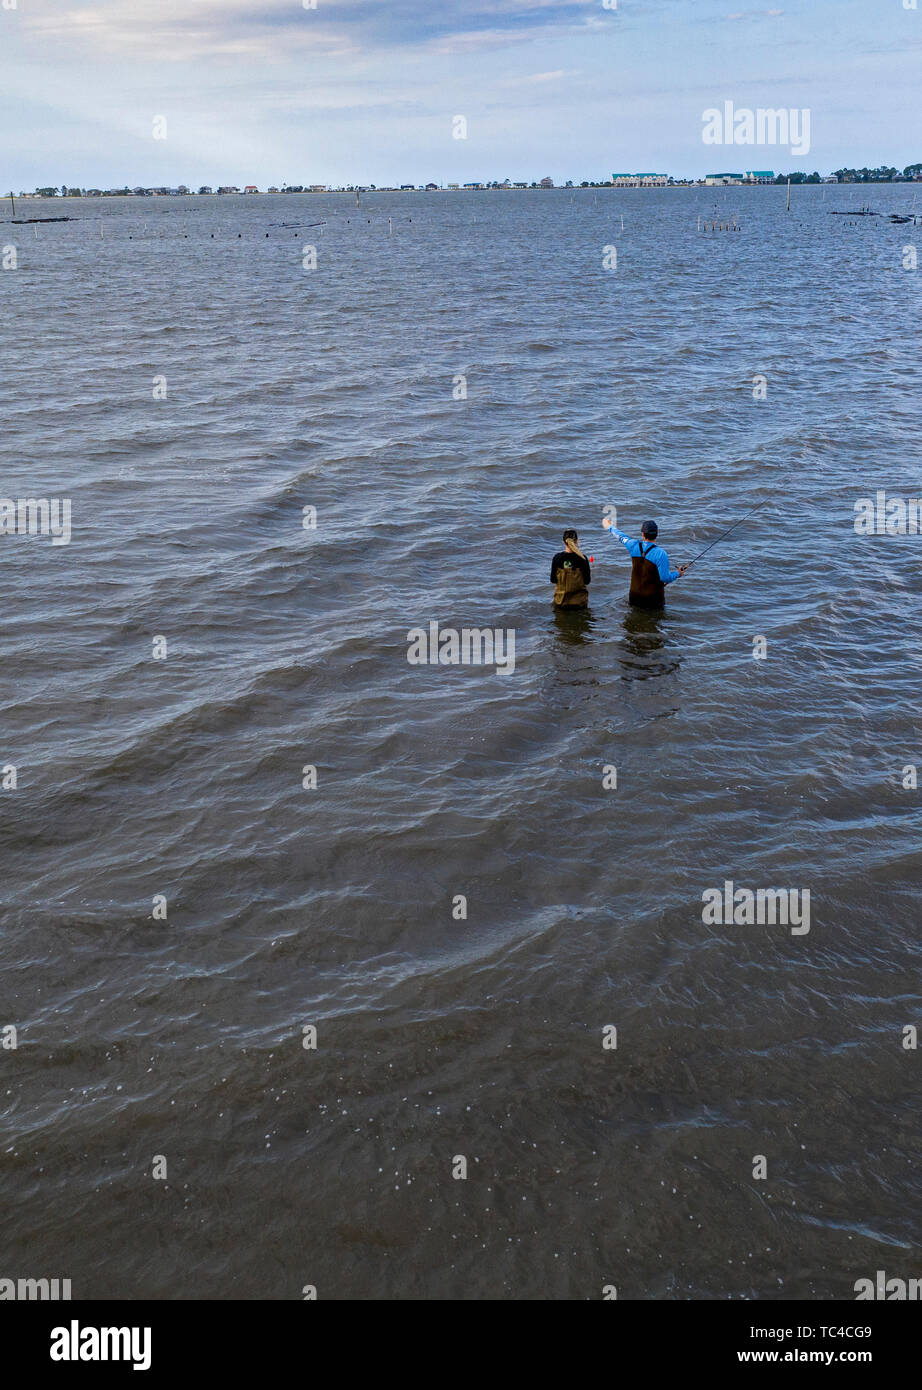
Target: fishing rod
727,532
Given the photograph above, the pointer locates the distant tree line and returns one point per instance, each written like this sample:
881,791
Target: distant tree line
885,173
799,177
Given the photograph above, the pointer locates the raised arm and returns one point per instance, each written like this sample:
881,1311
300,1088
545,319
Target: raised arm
616,535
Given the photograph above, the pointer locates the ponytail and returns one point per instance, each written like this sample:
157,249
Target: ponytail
571,541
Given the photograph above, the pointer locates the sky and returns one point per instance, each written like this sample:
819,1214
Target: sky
367,91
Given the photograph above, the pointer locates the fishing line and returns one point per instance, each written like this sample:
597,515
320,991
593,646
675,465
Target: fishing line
729,529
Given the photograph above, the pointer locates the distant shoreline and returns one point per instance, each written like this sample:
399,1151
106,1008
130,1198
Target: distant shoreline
557,188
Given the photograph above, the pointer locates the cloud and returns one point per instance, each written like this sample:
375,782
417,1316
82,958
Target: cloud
535,79
175,30
755,14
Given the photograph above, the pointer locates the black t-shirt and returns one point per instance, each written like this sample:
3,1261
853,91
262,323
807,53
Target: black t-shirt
575,561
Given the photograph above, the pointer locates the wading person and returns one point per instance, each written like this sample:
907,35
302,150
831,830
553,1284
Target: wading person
570,574
650,572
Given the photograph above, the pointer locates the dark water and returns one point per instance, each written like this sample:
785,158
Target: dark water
287,647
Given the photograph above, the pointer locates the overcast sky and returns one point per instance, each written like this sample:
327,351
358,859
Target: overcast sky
365,91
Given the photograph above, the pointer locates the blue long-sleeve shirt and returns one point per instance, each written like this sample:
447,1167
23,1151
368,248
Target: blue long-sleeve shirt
655,554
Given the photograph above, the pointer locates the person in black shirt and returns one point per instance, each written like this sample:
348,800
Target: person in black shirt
571,575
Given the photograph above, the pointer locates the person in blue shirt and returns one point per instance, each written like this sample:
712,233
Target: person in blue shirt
650,572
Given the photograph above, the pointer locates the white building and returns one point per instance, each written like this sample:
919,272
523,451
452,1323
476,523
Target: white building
640,180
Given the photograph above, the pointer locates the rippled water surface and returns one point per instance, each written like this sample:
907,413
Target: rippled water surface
287,647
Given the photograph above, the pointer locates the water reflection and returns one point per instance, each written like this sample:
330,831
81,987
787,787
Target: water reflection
573,675
644,641
575,626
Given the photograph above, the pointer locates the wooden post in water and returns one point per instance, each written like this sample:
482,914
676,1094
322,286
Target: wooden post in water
789,196
13,202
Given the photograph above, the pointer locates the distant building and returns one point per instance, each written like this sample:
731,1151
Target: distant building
640,180
760,176
205,188
228,188
272,190
432,188
723,180
453,186
251,188
547,182
318,188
